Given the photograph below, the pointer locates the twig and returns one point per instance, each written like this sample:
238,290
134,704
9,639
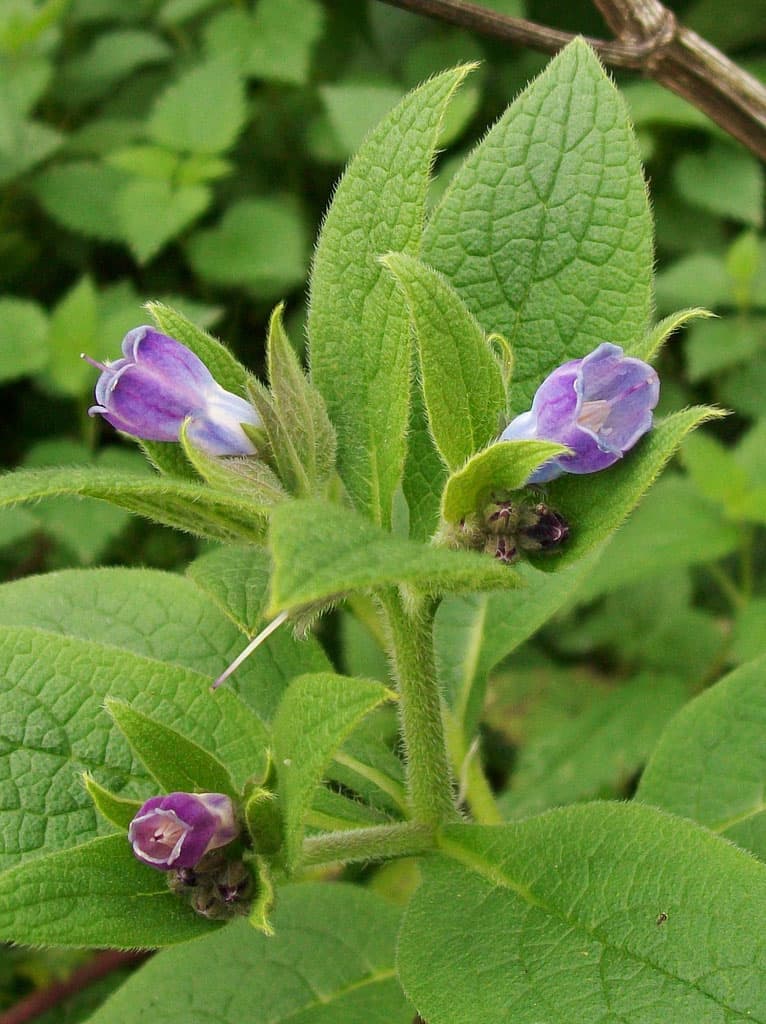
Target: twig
649,40
37,1003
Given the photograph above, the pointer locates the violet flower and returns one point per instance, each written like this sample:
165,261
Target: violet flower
177,830
598,406
158,384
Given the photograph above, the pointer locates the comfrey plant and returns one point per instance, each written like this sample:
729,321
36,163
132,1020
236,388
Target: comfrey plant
402,480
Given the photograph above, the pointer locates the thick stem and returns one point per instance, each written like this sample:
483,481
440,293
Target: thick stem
429,780
377,843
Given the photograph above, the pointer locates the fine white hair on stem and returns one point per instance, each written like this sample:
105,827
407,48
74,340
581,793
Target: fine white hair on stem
256,642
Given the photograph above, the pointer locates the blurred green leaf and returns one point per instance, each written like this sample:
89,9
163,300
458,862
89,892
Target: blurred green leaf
73,325
202,112
82,197
261,244
152,213
715,345
353,108
23,337
727,180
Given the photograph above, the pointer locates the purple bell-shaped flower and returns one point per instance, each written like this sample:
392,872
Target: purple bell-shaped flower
177,830
598,406
158,384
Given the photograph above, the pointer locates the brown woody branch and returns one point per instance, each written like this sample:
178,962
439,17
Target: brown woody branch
648,39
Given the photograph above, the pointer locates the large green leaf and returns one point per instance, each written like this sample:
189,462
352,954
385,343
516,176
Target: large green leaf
322,551
599,912
166,617
316,715
54,729
358,326
462,380
545,231
710,763
96,894
330,962
182,504
473,633
203,112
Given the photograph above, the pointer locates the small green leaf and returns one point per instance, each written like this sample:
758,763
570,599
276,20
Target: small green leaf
261,244
264,820
462,381
321,551
710,762
81,196
151,213
330,961
23,338
177,763
152,162
186,506
714,346
96,894
595,504
504,466
699,177
246,476
116,809
587,913
659,334
315,716
358,327
72,330
203,112
424,473
544,241
237,579
283,38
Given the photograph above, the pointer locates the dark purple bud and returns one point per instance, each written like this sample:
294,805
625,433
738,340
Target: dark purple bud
177,830
158,384
544,529
598,406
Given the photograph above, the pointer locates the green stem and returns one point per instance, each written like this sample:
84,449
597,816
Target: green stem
376,843
429,780
474,788
728,586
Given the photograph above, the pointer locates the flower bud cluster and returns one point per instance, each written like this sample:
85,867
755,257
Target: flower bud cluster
511,525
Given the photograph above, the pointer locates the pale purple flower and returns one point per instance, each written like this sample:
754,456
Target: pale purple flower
177,830
158,384
598,406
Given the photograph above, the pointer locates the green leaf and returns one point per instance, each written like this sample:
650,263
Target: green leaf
330,961
23,336
505,466
424,473
587,913
315,716
177,764
674,526
475,632
321,551
184,505
353,109
96,894
749,632
710,762
462,381
151,213
358,327
247,477
81,196
726,180
145,161
596,504
72,330
115,809
237,579
543,240
659,334
283,38
261,244
54,688
112,56
721,344
168,618
31,142
300,436
596,753
699,279
203,112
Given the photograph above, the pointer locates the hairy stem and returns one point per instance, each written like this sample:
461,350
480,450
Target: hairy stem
376,843
649,40
429,779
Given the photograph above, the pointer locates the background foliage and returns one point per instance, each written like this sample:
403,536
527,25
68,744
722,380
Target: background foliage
112,194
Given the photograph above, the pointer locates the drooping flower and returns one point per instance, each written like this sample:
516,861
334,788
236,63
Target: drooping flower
158,384
599,406
177,830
